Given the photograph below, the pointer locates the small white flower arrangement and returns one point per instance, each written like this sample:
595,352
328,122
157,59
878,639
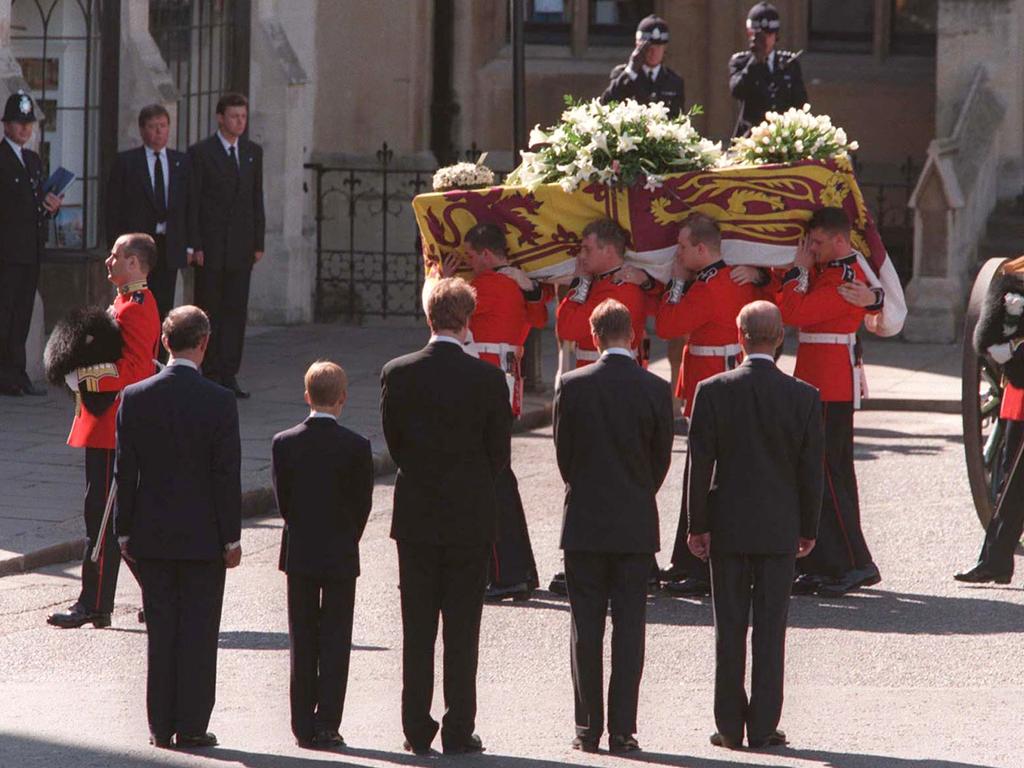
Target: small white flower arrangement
618,144
463,176
792,136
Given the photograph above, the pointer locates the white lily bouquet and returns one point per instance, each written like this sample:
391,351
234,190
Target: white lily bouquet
792,136
463,176
618,144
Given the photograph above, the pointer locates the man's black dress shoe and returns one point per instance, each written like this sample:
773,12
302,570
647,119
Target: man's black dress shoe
159,741
773,739
653,584
199,741
328,740
418,751
689,587
617,744
469,746
558,585
76,616
240,393
806,584
979,574
584,744
515,592
851,580
720,740
672,574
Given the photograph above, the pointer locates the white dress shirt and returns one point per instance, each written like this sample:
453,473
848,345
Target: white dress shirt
315,414
16,148
761,356
161,228
227,148
618,351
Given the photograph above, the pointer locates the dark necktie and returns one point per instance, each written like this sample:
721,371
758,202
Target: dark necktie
651,77
159,190
234,158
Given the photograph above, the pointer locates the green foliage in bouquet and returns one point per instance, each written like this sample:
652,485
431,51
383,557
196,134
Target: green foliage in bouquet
792,136
618,144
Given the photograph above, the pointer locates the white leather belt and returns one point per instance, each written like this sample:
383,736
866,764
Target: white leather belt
729,350
848,340
592,355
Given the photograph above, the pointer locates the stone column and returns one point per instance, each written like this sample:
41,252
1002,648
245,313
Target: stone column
143,75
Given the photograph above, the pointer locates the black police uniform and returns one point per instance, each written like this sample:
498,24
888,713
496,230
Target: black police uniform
774,85
666,86
22,238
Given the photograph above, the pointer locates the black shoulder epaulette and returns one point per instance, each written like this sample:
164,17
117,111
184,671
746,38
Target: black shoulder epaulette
139,297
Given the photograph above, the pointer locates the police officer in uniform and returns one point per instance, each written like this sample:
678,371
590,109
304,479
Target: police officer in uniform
762,78
24,212
644,78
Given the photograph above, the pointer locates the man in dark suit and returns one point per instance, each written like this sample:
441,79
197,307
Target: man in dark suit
448,423
756,449
148,192
24,214
613,437
226,226
178,472
323,481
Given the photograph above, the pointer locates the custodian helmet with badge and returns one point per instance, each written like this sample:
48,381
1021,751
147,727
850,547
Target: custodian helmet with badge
764,17
19,109
652,29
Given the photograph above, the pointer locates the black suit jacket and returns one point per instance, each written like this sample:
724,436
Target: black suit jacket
760,90
178,467
226,218
613,437
131,201
323,481
23,219
756,460
667,88
448,426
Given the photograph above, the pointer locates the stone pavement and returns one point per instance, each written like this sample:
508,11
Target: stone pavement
42,480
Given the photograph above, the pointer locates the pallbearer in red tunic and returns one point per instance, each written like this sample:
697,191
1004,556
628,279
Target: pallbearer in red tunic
508,305
702,304
825,296
136,312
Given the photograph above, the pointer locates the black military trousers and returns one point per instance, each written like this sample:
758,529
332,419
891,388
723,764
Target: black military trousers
224,295
320,635
595,580
840,545
99,579
511,560
742,585
182,600
1005,528
683,560
162,279
448,583
18,284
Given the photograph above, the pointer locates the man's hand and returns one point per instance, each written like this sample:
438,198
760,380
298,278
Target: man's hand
857,293
451,263
1001,353
638,57
256,256
759,47
745,275
630,274
804,257
124,552
522,279
52,203
232,557
699,544
198,258
804,547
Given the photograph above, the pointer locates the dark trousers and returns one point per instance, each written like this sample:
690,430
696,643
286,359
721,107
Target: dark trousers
594,580
740,583
182,600
163,278
17,297
683,560
224,295
1005,528
99,579
840,544
447,582
320,634
511,560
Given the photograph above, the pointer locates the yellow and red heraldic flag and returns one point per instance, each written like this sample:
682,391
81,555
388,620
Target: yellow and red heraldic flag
762,211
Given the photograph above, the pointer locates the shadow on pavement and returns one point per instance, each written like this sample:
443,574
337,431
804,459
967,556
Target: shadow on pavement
249,640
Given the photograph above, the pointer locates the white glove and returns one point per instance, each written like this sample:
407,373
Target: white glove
1000,352
72,381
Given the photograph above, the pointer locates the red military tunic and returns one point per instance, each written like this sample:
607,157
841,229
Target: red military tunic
504,314
815,307
136,312
707,314
572,319
1012,407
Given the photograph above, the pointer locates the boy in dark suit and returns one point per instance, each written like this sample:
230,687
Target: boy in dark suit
323,480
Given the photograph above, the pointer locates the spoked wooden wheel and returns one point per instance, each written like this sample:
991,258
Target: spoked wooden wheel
981,396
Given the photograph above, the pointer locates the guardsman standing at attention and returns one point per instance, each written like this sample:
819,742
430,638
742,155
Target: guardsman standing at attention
24,213
644,77
762,78
702,303
825,296
135,310
508,305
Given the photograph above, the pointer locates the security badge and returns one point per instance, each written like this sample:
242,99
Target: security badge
25,105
